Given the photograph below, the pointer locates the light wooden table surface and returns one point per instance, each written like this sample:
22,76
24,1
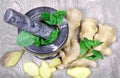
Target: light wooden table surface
105,11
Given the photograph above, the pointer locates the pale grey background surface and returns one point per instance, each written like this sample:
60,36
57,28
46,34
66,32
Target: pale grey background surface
105,11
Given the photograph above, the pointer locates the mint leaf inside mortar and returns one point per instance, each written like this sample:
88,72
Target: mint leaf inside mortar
53,19
25,39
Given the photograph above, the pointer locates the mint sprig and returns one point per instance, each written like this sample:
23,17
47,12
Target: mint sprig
87,45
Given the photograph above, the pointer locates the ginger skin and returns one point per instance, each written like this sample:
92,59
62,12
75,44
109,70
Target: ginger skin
107,36
89,28
74,52
73,17
71,51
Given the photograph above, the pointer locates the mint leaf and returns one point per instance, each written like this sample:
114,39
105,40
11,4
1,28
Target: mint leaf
97,54
88,43
45,16
37,42
97,43
51,21
91,43
25,39
59,13
59,20
92,57
83,48
53,36
48,18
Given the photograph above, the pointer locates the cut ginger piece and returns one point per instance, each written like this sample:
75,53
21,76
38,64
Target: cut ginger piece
37,76
79,72
45,70
12,58
31,69
53,69
55,62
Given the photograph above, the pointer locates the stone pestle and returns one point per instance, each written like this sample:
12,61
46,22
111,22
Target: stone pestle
25,23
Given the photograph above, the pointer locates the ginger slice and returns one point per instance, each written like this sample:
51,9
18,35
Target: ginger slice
12,58
79,72
55,62
31,69
45,70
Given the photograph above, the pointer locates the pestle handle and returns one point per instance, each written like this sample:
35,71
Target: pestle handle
25,23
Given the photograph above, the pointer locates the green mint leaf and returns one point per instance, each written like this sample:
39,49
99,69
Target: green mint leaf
60,13
59,16
59,20
53,36
25,39
45,16
51,21
97,54
92,57
88,43
37,42
97,43
48,18
91,43
83,48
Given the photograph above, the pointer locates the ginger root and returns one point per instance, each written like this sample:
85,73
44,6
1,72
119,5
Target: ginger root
73,17
107,52
88,28
73,53
71,49
105,35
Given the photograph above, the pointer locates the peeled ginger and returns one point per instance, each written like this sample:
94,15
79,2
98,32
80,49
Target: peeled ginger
45,70
55,62
31,69
12,58
79,72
